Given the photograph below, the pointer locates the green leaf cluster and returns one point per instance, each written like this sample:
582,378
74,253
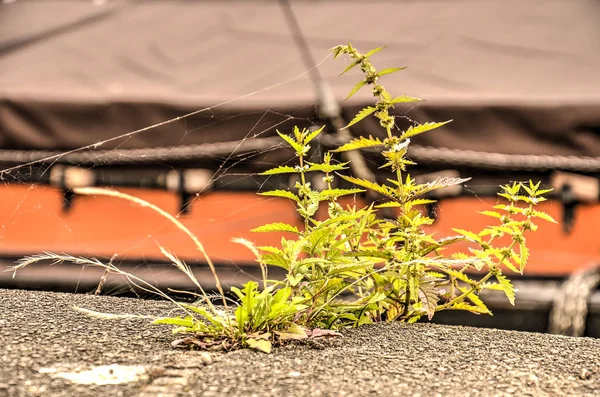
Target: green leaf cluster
350,267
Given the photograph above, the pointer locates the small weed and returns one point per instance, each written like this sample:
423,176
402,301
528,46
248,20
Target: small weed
353,267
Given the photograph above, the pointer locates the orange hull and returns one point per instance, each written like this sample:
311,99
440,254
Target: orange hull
32,221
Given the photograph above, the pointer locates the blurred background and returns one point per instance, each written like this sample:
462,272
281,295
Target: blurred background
178,102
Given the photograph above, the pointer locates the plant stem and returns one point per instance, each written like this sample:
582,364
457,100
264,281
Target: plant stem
305,202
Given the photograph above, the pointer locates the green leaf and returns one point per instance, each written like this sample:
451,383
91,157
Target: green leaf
524,256
284,169
276,260
436,275
421,202
493,214
389,204
374,51
507,287
259,344
458,275
349,67
334,193
294,280
405,99
357,87
220,322
277,227
476,300
421,128
273,250
470,308
298,147
360,143
327,168
544,216
360,116
543,191
469,235
389,71
294,331
312,135
316,238
183,322
506,260
281,193
382,189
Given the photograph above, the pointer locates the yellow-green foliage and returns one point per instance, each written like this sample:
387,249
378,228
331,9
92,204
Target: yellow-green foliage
353,267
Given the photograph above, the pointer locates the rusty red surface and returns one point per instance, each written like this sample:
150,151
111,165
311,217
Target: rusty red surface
32,221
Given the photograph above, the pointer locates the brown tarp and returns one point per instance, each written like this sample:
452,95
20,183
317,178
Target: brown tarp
517,77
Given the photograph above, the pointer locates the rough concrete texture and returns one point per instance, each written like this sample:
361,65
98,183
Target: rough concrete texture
50,349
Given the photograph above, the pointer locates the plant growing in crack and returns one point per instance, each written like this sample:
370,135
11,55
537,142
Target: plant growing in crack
352,267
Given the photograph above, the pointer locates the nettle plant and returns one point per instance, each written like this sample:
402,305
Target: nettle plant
354,268
351,267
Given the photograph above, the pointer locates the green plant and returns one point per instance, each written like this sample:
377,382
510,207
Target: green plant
352,267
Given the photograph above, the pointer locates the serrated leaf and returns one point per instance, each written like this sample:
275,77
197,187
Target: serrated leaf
333,193
361,115
470,308
429,298
458,275
390,71
544,216
275,260
436,275
421,202
273,250
421,128
281,193
389,204
259,344
469,235
382,189
524,256
405,99
276,227
507,287
357,87
299,148
543,191
492,286
506,262
312,135
374,51
360,143
327,168
284,169
476,301
493,214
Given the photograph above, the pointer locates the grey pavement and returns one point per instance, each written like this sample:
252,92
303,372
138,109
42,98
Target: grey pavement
49,349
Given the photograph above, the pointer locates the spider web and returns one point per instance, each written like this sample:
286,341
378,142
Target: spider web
229,170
